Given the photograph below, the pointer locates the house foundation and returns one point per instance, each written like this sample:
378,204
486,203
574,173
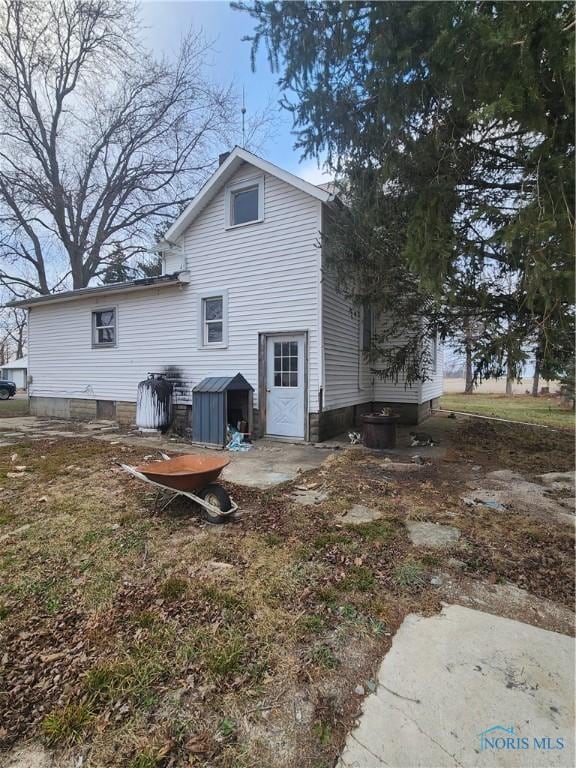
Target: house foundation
321,426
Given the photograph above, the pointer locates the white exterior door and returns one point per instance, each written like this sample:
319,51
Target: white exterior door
285,386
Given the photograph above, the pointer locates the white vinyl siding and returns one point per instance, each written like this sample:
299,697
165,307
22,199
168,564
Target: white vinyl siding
270,273
347,378
435,386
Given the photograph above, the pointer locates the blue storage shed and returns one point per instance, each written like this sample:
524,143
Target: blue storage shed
217,402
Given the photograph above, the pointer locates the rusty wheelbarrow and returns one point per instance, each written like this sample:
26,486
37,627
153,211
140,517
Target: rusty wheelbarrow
193,476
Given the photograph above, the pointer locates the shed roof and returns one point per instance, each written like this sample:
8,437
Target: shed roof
222,383
22,362
129,285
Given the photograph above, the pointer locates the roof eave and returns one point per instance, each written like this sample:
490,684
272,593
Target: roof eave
178,278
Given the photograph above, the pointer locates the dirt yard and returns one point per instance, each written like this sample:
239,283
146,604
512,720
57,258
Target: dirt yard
153,642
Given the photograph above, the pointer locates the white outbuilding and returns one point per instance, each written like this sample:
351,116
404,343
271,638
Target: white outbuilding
16,371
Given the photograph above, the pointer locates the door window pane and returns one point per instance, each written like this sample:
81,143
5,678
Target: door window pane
286,364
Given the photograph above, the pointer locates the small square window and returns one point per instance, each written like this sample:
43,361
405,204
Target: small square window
104,328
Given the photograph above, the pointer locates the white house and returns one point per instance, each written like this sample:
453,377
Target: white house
244,289
16,371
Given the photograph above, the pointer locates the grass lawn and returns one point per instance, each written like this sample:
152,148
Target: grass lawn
14,407
149,641
535,410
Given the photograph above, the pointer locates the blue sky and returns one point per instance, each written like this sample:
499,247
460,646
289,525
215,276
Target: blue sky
165,22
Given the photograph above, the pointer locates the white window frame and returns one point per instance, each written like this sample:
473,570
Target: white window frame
104,345
242,186
216,293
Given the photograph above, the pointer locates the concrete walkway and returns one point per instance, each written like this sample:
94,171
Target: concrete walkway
449,678
267,464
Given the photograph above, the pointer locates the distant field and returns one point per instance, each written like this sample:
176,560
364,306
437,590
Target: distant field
496,386
17,406
535,410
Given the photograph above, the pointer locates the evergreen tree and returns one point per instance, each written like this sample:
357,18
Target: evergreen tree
451,125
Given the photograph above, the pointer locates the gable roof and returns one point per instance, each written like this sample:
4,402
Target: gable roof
222,383
224,173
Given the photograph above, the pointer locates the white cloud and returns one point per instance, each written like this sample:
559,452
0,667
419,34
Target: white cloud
309,171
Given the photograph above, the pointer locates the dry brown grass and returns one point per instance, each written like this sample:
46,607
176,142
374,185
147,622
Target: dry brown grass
160,641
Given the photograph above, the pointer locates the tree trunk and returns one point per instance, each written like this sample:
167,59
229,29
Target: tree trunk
469,388
536,379
509,380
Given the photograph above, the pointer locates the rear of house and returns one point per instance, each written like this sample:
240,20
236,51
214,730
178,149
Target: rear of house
244,290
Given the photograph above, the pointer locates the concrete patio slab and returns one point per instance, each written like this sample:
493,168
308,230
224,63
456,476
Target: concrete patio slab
451,677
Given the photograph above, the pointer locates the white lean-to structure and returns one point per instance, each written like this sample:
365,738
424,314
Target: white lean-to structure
245,289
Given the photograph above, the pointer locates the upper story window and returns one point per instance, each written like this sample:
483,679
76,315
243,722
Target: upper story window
245,202
104,328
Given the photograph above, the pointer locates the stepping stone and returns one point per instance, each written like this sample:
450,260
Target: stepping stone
309,498
431,534
360,514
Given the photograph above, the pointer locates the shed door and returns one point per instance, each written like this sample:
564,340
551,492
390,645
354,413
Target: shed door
285,386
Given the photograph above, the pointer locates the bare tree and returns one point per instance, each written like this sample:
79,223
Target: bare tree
13,326
98,140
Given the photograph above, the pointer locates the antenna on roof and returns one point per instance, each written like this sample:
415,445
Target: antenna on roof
243,111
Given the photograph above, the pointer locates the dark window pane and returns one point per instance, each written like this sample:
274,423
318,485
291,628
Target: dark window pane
277,349
105,318
245,206
214,333
213,309
285,348
277,380
293,364
105,336
293,379
285,379
293,348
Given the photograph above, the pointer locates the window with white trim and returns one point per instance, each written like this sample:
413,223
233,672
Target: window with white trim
213,320
104,327
245,202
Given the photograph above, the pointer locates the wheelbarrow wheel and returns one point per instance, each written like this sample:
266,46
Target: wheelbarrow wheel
216,496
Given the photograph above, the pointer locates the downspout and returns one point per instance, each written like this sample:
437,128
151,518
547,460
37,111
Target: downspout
320,315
